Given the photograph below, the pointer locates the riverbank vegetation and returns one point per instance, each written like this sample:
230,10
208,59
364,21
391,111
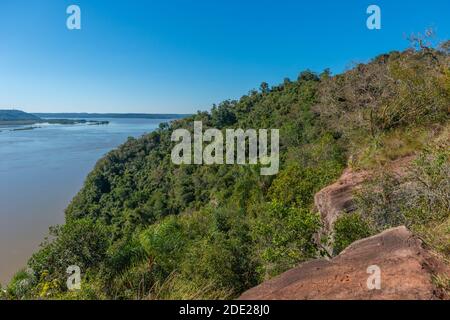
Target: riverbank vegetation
144,228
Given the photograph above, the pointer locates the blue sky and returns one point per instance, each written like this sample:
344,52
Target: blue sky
181,56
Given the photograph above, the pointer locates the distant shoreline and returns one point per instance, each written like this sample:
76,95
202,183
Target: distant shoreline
50,121
19,118
112,115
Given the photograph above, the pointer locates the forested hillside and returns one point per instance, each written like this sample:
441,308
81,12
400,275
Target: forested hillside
16,115
144,228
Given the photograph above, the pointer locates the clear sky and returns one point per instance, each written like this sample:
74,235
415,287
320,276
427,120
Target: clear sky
172,56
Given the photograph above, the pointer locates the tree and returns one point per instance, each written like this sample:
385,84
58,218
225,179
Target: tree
264,87
308,75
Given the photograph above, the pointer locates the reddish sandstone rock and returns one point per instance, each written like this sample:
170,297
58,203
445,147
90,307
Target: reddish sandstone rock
337,198
406,273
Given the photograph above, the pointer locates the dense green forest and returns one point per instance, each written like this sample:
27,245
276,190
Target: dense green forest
144,228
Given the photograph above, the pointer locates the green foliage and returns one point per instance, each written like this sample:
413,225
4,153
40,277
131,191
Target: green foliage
123,273
379,201
394,90
296,185
221,260
223,115
176,287
224,256
164,243
90,290
2,293
81,242
442,283
144,228
348,229
21,285
389,146
285,237
308,75
421,200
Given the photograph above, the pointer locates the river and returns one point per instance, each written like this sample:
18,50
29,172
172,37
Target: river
40,172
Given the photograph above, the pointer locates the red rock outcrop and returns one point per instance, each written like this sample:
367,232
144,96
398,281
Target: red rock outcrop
406,269
337,198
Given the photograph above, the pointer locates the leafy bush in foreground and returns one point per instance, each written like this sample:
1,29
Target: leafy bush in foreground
349,228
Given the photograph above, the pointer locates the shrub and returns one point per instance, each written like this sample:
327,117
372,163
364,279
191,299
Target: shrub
176,287
2,293
223,255
21,285
284,237
348,229
381,201
421,200
295,186
164,244
393,90
80,242
126,260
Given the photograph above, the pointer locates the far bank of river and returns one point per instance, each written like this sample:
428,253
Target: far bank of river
52,121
